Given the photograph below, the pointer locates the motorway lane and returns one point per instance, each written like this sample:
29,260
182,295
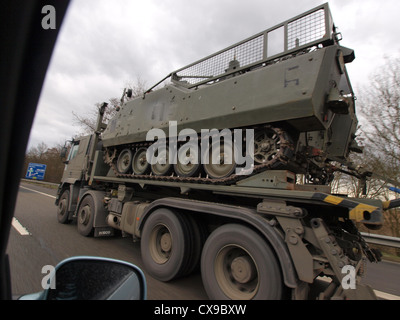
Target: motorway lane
50,242
384,276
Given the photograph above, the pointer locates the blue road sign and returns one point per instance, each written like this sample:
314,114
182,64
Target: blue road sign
35,171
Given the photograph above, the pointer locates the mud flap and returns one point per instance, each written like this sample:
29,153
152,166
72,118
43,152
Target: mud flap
103,231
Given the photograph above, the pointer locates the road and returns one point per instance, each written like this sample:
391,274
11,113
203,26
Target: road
37,239
49,242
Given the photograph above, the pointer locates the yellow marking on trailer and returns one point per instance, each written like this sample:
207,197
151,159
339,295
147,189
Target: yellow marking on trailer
385,205
333,200
357,213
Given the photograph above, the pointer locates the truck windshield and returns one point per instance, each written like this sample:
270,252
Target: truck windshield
73,152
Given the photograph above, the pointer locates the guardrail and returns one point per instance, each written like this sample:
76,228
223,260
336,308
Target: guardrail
381,240
40,182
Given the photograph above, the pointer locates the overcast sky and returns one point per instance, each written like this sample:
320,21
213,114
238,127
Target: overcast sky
105,44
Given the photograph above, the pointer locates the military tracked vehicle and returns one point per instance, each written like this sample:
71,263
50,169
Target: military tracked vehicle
288,84
284,100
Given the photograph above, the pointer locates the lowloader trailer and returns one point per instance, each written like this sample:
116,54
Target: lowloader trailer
266,229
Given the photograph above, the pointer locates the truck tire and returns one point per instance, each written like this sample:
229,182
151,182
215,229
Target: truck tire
62,209
167,245
237,263
199,235
85,216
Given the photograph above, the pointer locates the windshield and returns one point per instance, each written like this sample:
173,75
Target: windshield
73,151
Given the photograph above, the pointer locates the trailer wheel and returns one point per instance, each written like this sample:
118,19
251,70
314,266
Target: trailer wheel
167,245
85,216
237,263
62,209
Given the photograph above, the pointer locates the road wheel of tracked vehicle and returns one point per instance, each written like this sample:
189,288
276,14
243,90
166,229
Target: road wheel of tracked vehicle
188,164
62,210
85,217
219,160
139,162
237,263
161,165
167,245
124,161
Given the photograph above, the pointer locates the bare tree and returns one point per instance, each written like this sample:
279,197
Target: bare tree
379,105
38,152
138,87
87,123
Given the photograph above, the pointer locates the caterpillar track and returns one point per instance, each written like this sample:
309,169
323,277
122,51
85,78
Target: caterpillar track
284,151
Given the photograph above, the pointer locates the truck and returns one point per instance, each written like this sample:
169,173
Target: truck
243,191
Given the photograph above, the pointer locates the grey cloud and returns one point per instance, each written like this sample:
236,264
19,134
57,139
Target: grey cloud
103,44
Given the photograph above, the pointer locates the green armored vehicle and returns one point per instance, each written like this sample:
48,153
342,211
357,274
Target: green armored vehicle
205,169
288,84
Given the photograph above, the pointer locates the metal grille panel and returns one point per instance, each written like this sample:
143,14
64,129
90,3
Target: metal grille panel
306,29
246,53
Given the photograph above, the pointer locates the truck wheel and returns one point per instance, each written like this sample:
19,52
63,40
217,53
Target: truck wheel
237,263
62,210
199,234
167,245
85,216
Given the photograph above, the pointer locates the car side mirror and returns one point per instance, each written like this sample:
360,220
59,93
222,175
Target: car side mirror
95,278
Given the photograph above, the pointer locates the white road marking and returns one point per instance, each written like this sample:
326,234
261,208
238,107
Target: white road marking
42,193
16,224
386,296
379,294
20,228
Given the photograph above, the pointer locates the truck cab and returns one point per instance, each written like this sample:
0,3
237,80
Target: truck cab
76,164
73,178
